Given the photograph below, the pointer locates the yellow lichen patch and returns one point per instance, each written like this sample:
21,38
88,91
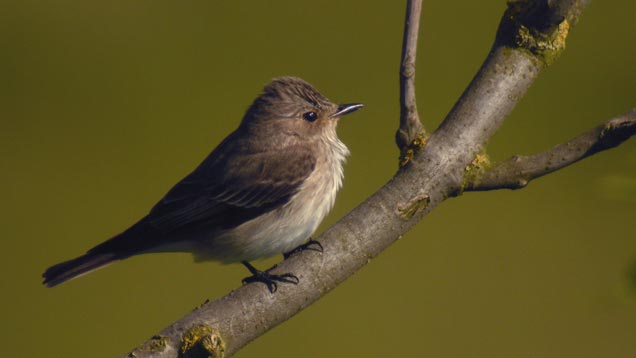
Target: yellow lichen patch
534,27
413,206
202,341
407,155
155,344
481,161
606,129
547,45
408,152
475,169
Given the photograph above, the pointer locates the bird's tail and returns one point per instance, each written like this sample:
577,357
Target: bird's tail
82,265
137,239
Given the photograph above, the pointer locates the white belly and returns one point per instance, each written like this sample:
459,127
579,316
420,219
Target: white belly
283,229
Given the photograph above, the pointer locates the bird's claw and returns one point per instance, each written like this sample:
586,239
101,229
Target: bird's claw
269,279
311,245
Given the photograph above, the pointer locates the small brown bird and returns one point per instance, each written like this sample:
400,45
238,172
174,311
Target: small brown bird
263,191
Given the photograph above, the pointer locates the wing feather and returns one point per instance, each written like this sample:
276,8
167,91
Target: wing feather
227,190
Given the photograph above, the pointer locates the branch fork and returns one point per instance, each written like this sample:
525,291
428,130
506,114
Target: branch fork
450,160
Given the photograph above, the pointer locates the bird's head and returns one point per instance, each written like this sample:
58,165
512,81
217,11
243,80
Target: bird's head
291,106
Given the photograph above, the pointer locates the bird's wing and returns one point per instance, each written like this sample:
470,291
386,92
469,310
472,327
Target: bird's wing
228,190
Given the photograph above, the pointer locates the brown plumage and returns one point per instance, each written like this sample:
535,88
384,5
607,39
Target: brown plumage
261,192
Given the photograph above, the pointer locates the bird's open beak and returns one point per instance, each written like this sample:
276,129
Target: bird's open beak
346,109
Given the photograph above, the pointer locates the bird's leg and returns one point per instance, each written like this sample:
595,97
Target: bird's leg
311,245
267,278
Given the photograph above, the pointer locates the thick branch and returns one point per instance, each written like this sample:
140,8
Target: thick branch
410,125
516,172
427,179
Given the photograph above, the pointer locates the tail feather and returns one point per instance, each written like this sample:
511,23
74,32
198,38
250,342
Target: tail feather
136,239
82,265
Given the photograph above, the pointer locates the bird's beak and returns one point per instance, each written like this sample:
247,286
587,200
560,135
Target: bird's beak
346,109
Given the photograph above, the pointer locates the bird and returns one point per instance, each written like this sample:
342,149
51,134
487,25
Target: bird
262,191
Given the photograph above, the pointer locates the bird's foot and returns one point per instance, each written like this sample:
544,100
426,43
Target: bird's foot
311,245
267,278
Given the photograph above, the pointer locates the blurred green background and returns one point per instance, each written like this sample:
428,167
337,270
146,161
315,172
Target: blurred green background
105,105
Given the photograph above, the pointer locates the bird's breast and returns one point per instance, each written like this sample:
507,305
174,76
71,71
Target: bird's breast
285,228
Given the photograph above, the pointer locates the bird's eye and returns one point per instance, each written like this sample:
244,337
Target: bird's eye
310,116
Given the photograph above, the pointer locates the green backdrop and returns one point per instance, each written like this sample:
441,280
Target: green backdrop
106,104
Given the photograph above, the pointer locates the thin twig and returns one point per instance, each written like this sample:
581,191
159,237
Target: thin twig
410,125
517,171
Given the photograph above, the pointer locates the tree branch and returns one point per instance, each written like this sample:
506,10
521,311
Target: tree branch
517,171
523,47
410,125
